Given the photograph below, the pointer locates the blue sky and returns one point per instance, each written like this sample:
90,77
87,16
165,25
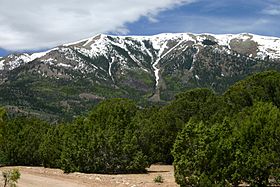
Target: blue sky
61,24
218,17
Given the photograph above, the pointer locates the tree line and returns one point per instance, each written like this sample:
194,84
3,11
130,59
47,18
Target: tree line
212,140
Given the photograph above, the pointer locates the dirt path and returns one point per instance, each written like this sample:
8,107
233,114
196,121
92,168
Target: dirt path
42,177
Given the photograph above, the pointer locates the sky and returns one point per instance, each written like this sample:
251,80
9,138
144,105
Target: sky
36,25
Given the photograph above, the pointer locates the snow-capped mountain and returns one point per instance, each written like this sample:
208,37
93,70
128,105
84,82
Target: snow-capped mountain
146,68
261,46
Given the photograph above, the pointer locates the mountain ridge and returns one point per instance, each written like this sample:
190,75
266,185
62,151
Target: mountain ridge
223,39
74,76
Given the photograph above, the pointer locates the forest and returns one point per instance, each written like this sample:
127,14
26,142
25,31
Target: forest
211,139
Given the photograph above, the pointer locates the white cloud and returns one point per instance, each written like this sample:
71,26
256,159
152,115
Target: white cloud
34,24
227,25
272,10
220,25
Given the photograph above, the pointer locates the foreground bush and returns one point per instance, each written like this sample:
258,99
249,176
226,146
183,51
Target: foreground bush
244,148
20,139
105,142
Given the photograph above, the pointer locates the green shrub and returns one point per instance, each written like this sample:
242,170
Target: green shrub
11,177
158,179
244,148
105,141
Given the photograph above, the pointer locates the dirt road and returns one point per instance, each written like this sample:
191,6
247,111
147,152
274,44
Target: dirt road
42,177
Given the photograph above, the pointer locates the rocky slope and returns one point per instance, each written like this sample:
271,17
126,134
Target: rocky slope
69,79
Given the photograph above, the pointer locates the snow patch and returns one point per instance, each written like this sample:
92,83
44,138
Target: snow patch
195,55
268,46
49,61
110,68
224,39
2,64
87,40
155,64
143,48
64,65
123,46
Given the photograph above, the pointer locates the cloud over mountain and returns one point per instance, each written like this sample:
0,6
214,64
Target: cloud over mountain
33,24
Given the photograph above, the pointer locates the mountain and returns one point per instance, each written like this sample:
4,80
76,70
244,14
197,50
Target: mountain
70,79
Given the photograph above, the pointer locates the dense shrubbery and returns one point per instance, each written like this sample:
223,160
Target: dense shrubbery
105,142
241,146
244,148
159,127
20,141
219,140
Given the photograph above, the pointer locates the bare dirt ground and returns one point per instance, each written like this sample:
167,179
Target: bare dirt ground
44,177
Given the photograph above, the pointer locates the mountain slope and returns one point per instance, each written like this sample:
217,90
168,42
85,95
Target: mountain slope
69,79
